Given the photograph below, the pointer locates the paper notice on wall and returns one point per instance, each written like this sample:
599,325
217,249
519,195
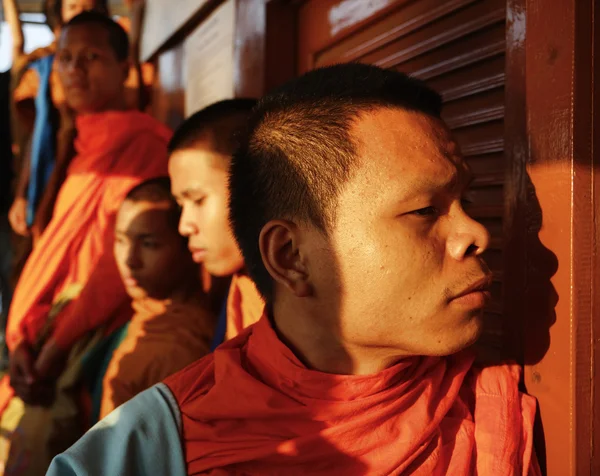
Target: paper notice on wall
209,59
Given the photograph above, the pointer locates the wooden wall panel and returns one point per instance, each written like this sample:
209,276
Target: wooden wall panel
168,98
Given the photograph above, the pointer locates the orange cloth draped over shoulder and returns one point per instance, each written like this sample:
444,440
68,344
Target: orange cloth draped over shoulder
245,305
162,338
252,407
115,151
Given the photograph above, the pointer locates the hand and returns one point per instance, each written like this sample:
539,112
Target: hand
51,361
24,380
17,216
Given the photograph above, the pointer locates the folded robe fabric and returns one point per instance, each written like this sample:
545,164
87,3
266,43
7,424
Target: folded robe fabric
162,338
245,305
253,408
116,150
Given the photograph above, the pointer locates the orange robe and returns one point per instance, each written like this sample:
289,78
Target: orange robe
115,151
253,408
162,338
245,305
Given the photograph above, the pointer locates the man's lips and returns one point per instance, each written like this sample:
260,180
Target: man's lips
198,254
130,281
475,295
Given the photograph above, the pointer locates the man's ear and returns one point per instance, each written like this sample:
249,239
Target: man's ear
280,247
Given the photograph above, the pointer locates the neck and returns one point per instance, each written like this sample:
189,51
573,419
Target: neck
189,287
116,104
316,340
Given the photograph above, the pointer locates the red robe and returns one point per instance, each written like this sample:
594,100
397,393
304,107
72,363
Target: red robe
115,151
253,408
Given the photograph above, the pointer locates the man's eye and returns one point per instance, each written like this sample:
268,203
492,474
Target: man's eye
426,212
199,201
64,58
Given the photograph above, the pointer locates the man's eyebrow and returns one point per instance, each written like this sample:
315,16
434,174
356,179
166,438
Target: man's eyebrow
187,192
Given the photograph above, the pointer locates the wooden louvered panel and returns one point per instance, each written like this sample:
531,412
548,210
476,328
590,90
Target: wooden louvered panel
456,46
393,27
441,34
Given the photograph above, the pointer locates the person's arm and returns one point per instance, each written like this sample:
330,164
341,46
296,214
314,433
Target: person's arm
11,15
65,151
141,437
17,215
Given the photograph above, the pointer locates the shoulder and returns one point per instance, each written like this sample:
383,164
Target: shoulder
148,125
193,381
140,437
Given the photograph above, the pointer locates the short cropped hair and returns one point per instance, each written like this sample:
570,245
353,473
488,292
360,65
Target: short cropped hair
300,150
223,123
156,190
117,36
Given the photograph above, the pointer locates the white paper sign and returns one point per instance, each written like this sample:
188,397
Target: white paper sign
209,59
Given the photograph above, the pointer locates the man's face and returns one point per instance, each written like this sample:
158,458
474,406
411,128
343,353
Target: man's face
151,256
91,74
72,8
403,254
199,184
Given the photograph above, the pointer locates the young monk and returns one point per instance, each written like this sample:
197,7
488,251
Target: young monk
72,271
36,77
200,156
347,202
172,325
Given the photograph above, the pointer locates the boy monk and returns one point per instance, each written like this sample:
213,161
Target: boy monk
73,270
347,202
172,325
200,156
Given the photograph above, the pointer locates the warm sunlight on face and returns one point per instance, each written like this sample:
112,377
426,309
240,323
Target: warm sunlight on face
151,256
199,184
405,255
89,70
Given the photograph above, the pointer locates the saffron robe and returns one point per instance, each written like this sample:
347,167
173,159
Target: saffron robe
162,338
253,408
245,305
115,152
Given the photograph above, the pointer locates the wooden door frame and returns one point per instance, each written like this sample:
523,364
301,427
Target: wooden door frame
550,124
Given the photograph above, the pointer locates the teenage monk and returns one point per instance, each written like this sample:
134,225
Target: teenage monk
347,202
200,157
73,270
36,77
172,325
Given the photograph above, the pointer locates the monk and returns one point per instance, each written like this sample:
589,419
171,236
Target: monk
172,325
36,78
200,157
348,202
72,272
